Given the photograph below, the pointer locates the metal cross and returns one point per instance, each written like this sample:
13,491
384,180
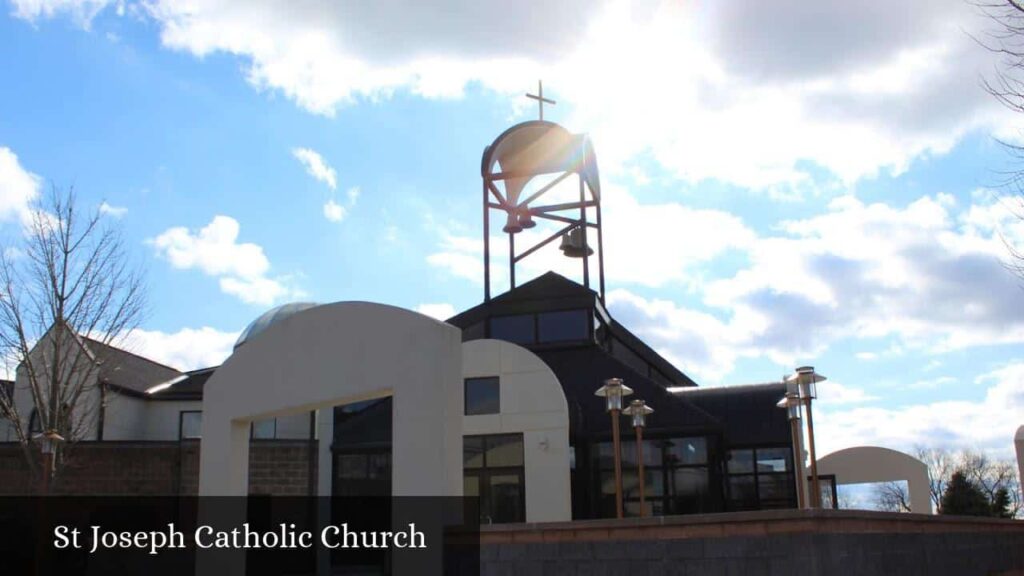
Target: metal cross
539,97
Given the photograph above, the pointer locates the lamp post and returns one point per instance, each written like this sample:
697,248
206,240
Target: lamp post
806,380
639,410
49,441
791,403
613,391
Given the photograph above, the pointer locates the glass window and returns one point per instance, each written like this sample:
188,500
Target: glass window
379,466
473,452
775,486
761,478
741,461
482,396
504,450
773,459
264,429
351,466
518,329
562,326
743,491
690,491
687,451
34,425
471,486
506,498
191,424
493,471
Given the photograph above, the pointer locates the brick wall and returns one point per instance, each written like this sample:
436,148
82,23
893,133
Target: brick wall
805,542
278,467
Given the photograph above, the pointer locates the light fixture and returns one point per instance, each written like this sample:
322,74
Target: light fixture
638,410
613,391
791,403
806,380
49,440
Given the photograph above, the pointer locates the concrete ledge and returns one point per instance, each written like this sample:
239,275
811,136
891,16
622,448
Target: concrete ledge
769,543
743,524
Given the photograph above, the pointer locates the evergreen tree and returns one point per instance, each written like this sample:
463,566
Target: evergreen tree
963,498
1001,504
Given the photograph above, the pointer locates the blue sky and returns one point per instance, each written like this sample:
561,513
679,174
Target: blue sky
774,195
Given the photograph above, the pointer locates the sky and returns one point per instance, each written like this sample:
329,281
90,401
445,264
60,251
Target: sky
784,183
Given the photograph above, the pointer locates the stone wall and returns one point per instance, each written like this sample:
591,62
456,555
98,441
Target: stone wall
278,467
805,542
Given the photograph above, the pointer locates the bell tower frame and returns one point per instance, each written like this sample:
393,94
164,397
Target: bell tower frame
557,154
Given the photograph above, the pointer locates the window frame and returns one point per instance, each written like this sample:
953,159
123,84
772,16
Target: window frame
181,424
661,503
755,475
465,395
484,473
252,430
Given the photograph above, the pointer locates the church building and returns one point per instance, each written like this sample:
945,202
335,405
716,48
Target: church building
537,443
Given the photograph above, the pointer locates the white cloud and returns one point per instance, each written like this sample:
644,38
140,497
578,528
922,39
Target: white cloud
831,393
333,211
113,211
745,103
442,311
242,268
988,424
81,11
18,187
353,195
186,349
929,276
651,245
316,166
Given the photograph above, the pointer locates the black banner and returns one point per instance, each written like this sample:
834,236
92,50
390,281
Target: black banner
220,536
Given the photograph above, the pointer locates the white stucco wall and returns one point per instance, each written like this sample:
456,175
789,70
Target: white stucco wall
863,464
336,354
86,410
1018,443
532,403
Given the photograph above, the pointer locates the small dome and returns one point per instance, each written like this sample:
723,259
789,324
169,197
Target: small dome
269,317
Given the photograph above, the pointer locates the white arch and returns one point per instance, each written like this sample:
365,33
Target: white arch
335,354
326,356
533,403
862,464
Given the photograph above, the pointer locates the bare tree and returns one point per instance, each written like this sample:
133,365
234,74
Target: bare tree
1005,39
65,292
941,463
892,497
987,474
991,476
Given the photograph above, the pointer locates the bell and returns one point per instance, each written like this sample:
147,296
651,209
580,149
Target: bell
572,244
513,225
526,220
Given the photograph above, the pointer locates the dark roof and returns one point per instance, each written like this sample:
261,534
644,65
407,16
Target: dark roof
748,412
583,369
188,388
551,291
126,371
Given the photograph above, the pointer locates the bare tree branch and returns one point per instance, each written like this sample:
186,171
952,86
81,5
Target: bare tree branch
68,285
